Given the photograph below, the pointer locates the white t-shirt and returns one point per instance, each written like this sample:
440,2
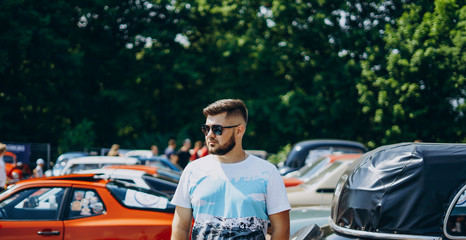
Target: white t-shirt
231,200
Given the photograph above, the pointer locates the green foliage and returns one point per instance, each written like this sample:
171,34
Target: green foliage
138,73
81,135
419,92
281,155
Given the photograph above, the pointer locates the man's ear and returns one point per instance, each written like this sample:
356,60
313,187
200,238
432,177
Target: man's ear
240,130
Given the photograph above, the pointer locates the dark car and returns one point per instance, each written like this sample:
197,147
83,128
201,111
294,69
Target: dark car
401,191
306,152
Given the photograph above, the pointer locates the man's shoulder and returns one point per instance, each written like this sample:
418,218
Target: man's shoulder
260,161
201,162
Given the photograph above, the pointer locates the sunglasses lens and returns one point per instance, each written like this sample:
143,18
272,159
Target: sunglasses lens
217,130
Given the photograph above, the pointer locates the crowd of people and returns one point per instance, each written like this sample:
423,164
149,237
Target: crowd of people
185,154
17,170
180,157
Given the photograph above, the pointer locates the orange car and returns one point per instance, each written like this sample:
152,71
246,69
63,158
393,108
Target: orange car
158,172
306,173
83,207
15,171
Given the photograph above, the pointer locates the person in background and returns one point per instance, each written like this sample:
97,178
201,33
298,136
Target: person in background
195,151
154,151
174,159
38,172
114,151
230,193
170,148
2,167
183,154
204,151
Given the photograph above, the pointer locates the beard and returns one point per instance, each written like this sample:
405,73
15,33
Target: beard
225,148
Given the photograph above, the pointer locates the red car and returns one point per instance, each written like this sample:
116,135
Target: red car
15,171
83,206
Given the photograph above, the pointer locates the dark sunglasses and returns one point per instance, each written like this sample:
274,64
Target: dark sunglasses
216,129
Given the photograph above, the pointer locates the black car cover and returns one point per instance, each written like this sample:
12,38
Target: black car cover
403,188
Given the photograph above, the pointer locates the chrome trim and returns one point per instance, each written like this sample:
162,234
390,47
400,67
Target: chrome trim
450,209
364,234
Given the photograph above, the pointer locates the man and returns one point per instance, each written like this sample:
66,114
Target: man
38,172
2,167
154,151
183,154
230,194
170,148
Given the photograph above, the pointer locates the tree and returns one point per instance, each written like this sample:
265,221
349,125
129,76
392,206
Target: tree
419,93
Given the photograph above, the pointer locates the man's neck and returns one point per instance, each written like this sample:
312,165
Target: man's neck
234,156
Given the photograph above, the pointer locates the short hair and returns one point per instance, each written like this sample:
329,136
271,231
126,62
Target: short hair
233,107
2,148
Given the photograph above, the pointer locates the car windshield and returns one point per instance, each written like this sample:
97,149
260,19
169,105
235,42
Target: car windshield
298,156
81,167
8,159
309,169
456,223
160,184
324,173
133,197
292,160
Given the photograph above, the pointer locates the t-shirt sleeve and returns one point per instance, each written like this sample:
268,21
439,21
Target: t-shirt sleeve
181,197
277,199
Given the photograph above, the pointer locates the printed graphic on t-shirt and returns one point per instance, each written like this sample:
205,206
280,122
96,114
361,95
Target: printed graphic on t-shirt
226,228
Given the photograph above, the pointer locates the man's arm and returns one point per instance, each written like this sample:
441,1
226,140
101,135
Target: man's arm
181,225
280,223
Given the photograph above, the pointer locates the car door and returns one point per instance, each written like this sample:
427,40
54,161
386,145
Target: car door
32,213
86,215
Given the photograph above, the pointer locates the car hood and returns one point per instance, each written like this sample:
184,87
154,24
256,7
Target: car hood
402,188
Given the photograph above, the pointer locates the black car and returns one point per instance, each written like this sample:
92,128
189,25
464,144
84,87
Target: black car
308,151
401,191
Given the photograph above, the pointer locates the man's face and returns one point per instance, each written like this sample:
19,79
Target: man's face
221,144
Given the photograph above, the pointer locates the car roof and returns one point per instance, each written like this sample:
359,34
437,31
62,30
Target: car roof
115,171
104,159
91,179
143,153
333,142
147,169
404,188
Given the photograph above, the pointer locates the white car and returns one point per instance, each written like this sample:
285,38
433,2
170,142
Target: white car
95,162
138,153
319,189
137,177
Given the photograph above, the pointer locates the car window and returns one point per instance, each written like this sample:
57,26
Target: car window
456,224
132,197
85,203
324,173
158,164
81,167
160,184
33,204
323,151
310,169
8,159
317,153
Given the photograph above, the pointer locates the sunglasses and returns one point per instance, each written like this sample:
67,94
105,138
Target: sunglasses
216,129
